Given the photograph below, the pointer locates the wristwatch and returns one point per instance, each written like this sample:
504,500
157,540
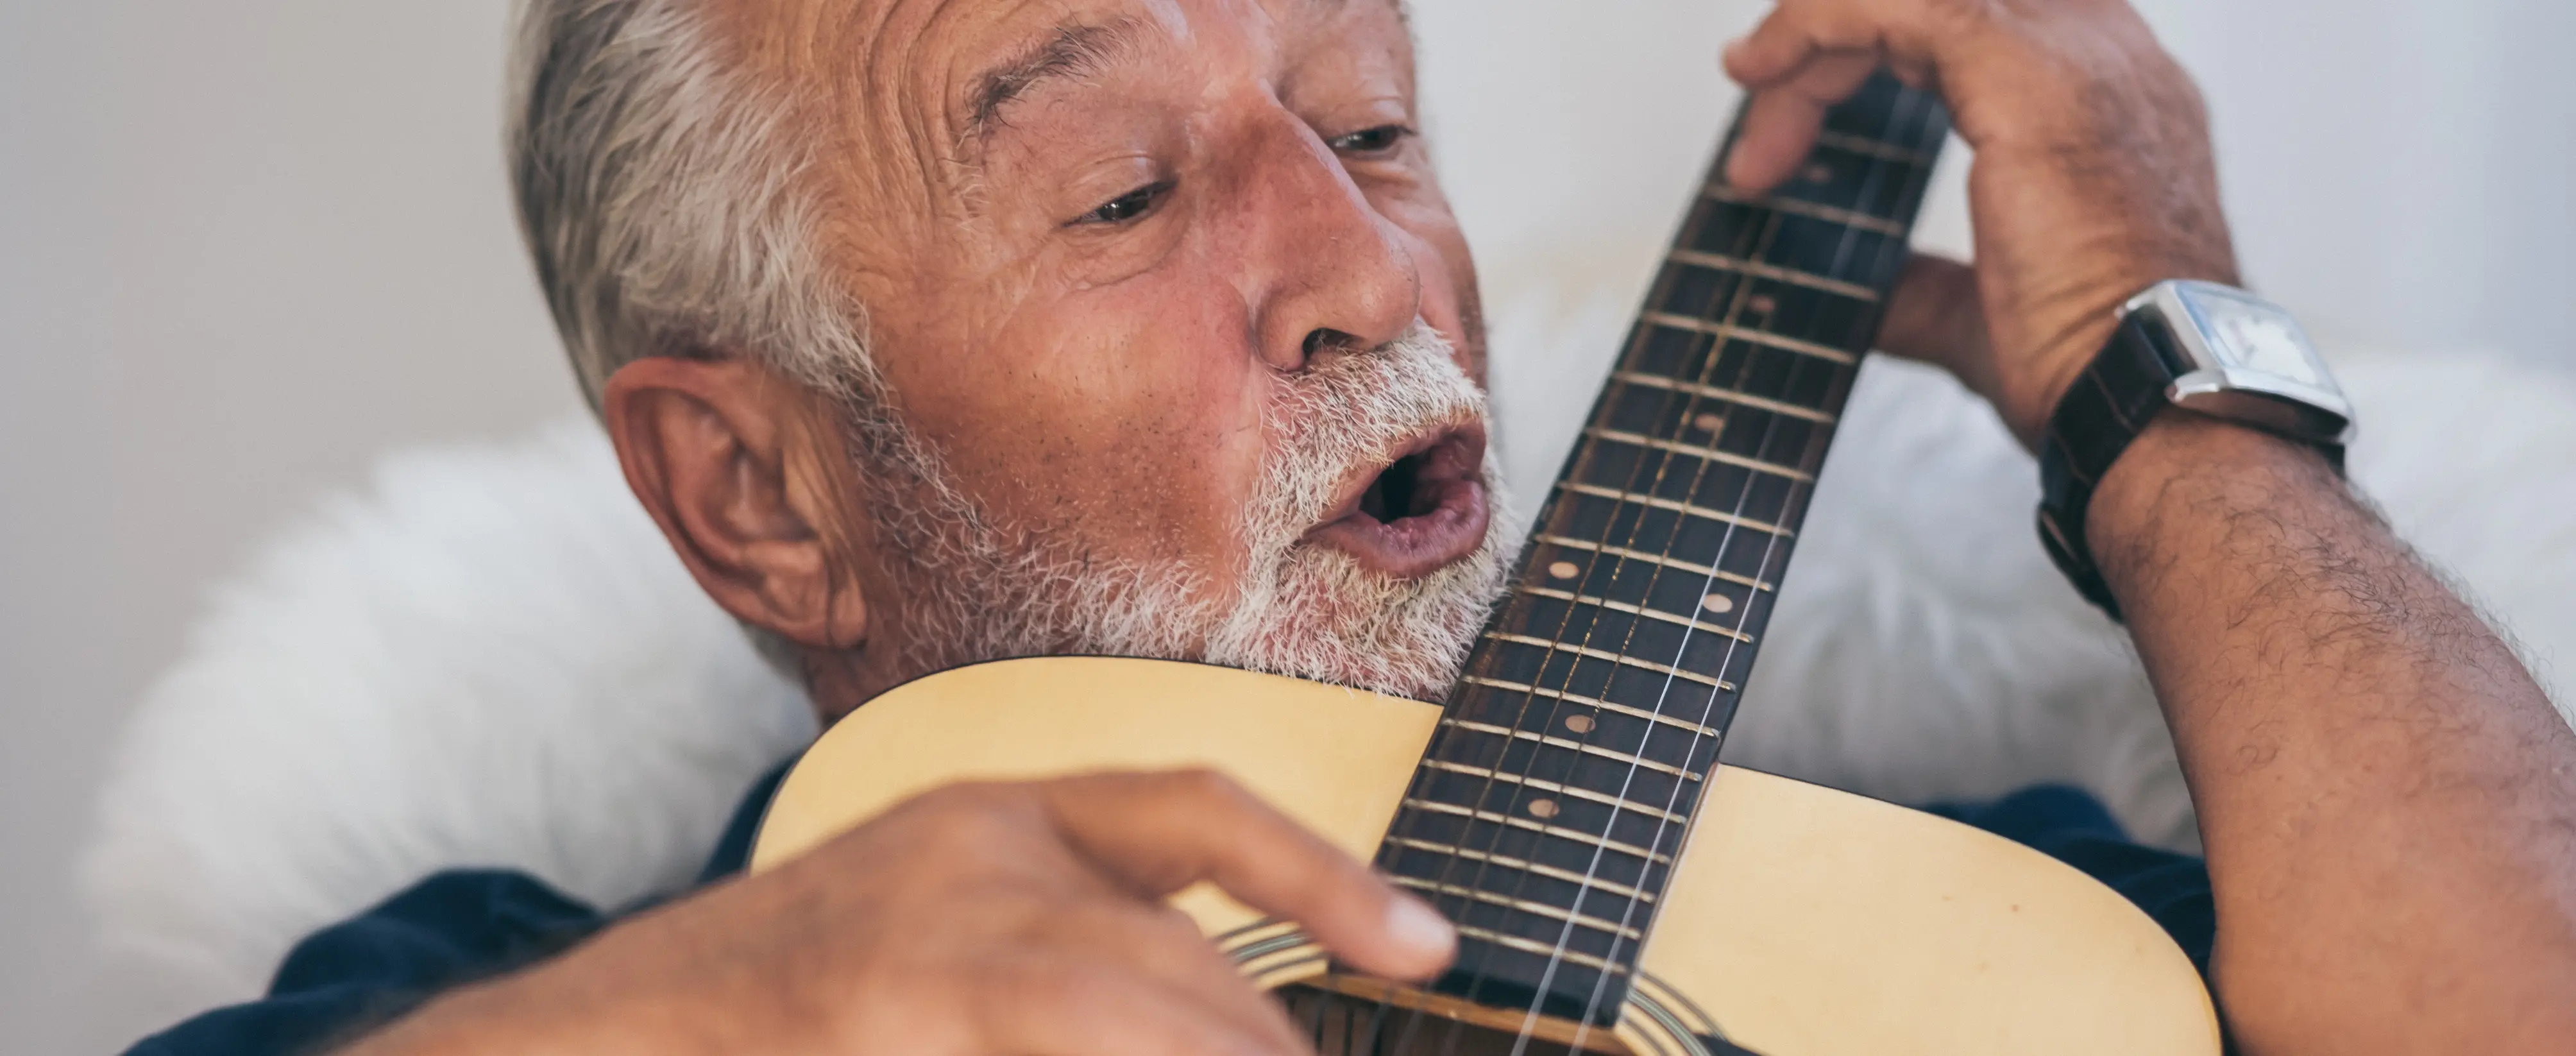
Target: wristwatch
2214,349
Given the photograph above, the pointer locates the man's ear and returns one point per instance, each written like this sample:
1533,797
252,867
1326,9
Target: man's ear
712,448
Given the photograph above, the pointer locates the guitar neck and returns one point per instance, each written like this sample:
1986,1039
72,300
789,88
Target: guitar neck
1553,801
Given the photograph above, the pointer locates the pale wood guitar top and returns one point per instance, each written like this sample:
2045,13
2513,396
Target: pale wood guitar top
1803,921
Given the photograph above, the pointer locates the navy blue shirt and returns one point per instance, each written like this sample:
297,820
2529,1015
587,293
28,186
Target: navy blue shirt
463,925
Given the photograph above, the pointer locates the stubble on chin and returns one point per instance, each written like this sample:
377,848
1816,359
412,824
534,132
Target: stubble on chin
974,588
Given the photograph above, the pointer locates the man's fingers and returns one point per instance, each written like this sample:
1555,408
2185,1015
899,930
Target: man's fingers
1780,123
1784,40
1161,832
1936,316
1804,57
1063,1005
1164,946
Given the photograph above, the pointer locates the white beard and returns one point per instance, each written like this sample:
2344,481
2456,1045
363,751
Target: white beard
1297,608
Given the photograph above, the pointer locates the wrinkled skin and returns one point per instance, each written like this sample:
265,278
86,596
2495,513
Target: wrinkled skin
1084,296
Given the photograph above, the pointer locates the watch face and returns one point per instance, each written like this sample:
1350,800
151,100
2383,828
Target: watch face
2257,336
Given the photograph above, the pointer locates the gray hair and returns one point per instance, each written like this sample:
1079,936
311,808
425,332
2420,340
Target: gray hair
667,208
665,201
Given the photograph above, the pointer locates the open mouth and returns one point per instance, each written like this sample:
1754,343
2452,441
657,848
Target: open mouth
1419,513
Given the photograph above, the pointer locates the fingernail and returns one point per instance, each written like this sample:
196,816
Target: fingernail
1419,927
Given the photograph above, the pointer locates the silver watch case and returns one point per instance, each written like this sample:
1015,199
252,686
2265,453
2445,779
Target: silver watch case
2248,361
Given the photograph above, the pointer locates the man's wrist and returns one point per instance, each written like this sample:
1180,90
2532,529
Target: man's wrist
2164,485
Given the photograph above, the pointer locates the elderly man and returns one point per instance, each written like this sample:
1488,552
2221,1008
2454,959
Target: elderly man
935,331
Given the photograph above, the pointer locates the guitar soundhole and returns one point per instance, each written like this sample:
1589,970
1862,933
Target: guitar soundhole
1342,1025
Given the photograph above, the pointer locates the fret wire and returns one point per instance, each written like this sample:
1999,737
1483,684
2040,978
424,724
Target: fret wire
1536,909
1576,791
1740,295
1723,394
1577,698
1636,610
1847,217
1852,144
1608,887
1616,658
1668,562
1526,701
1769,228
1770,225
1792,276
1517,734
1526,946
1710,453
1587,839
1783,342
1678,506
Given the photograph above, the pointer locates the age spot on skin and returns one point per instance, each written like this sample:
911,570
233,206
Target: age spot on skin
1563,570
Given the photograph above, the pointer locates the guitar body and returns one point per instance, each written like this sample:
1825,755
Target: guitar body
1798,921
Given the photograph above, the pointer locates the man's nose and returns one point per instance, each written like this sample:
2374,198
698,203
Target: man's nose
1327,271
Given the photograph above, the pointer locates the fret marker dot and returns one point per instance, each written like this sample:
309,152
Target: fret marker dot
1579,723
1717,603
1563,570
1818,173
1763,303
1707,423
1542,808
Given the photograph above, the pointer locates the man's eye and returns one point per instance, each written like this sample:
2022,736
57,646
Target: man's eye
1371,140
1128,206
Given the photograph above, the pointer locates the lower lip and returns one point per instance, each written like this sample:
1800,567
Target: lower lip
1419,545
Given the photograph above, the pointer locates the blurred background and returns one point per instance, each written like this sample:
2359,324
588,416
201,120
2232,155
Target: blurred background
245,247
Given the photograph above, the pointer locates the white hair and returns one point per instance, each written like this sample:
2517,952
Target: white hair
665,199
667,206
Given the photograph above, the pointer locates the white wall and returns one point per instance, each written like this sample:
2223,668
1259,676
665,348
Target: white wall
244,246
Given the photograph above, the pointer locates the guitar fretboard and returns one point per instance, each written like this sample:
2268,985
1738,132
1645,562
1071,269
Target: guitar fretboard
1554,798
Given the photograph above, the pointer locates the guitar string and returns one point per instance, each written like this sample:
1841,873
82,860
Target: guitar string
1761,240
1741,291
1654,576
1619,939
1742,285
1773,545
1519,606
1739,299
1899,115
1630,355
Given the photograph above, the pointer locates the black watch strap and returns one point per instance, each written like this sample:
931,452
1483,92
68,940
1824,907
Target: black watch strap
2108,406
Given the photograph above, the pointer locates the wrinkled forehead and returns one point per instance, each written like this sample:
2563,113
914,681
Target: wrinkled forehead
922,84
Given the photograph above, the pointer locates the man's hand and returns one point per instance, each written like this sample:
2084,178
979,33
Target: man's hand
994,918
2092,178
2387,799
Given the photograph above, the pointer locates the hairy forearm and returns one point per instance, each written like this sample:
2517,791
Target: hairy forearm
2387,798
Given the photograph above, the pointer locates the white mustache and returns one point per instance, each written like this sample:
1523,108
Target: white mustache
1314,612
1354,412
974,590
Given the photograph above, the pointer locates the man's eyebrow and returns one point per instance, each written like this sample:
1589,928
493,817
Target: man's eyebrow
1072,50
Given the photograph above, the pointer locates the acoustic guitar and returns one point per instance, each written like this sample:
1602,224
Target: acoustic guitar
1615,888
